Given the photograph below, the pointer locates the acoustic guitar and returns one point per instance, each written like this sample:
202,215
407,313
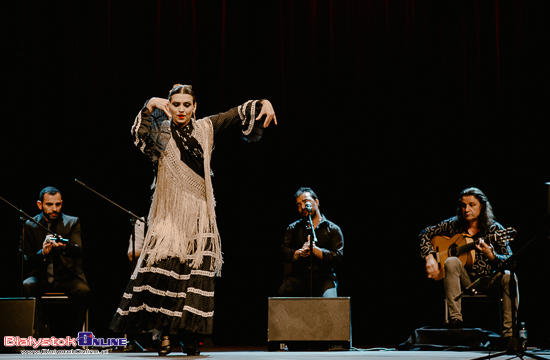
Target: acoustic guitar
464,247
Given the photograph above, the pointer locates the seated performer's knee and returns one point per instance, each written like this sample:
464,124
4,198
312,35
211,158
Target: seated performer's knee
30,287
452,264
290,287
284,289
81,292
330,293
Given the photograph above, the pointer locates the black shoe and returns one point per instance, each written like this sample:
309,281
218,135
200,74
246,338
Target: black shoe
453,324
164,347
191,348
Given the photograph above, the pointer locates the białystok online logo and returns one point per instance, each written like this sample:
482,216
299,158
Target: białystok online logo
83,339
88,339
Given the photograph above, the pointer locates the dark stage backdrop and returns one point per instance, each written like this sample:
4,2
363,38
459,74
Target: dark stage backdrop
386,108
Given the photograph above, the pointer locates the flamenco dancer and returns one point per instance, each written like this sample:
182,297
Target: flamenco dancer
171,291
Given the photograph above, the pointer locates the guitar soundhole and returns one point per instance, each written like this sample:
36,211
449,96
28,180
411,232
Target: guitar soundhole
452,250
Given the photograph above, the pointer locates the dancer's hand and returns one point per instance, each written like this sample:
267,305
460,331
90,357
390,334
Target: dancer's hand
267,109
159,103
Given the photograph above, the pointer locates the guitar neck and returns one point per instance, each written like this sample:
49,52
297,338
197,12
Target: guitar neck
471,246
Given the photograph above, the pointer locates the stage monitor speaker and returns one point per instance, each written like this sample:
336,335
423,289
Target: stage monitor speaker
308,324
16,317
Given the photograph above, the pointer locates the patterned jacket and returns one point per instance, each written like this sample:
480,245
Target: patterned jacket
450,227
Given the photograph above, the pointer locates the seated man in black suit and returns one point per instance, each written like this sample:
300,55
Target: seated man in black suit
54,265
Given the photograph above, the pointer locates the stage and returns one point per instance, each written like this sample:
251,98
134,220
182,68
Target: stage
261,353
387,109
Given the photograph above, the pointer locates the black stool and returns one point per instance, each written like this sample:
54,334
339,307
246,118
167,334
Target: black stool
480,311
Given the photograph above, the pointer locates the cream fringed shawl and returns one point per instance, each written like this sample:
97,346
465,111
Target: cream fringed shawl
182,221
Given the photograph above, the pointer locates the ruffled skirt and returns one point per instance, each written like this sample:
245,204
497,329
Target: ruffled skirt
168,296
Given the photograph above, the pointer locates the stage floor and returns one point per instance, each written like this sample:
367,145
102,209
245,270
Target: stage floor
260,353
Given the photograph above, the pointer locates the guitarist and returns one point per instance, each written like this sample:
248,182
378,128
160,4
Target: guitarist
474,216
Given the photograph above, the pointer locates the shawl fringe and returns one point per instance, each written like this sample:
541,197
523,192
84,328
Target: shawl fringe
182,221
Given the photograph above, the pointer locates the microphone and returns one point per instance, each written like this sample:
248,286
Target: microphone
309,208
59,239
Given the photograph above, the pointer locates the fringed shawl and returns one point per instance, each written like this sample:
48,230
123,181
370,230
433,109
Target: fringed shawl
182,221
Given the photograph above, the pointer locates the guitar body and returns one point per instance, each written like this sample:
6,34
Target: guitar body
460,245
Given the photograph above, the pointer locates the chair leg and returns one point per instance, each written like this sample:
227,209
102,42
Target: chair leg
85,324
446,310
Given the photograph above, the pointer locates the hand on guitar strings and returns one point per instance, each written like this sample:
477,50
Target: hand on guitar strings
486,249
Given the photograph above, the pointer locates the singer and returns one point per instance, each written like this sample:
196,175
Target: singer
55,266
327,252
172,288
474,216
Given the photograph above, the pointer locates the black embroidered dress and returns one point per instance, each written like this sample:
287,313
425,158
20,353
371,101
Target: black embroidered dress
172,287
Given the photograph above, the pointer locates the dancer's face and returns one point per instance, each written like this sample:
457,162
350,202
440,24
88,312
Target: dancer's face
182,108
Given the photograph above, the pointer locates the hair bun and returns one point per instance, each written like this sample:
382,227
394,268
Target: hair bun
181,89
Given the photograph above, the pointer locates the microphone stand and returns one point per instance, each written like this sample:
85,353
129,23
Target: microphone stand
133,219
514,347
312,240
24,219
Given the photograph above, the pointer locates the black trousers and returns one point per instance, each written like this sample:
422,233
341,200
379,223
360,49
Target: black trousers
300,286
76,289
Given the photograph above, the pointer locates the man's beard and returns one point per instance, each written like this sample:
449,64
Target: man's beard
49,219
